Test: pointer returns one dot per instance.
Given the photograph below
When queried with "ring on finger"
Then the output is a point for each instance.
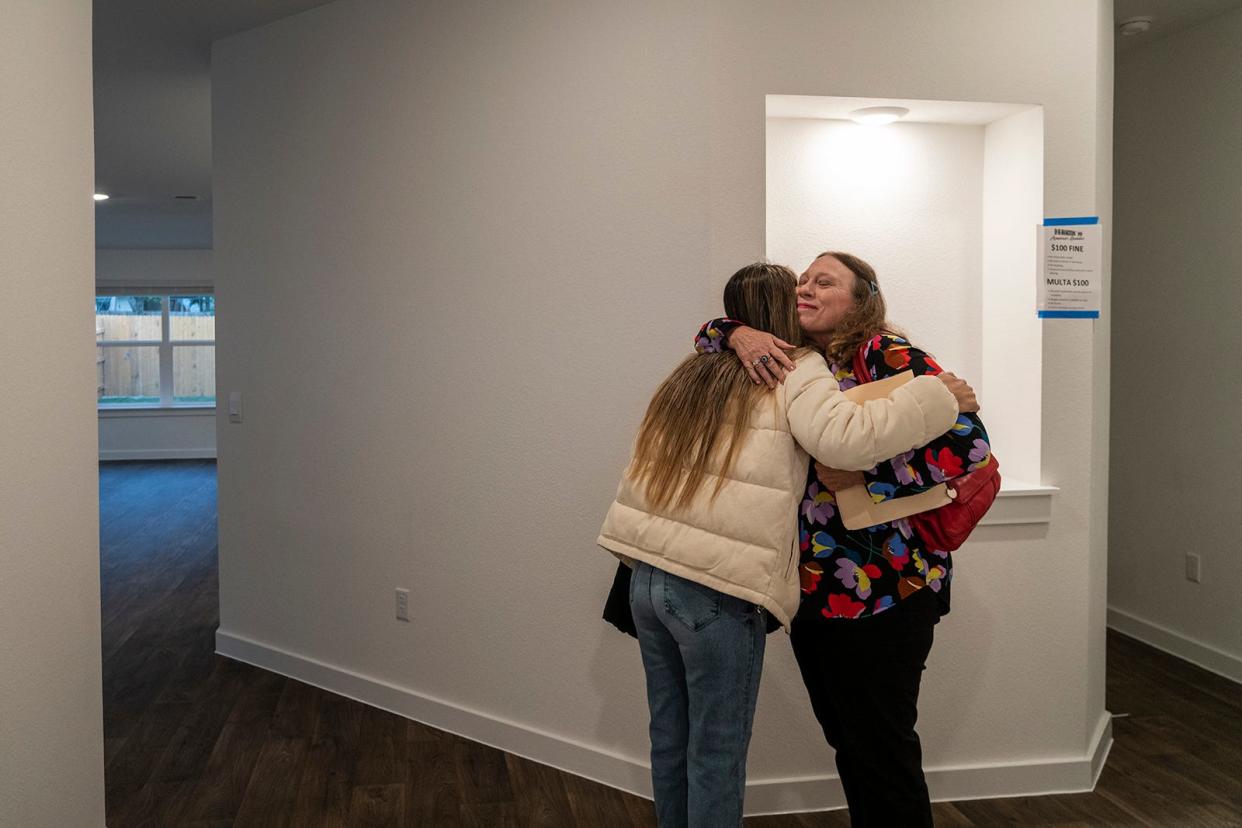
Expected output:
(765, 359)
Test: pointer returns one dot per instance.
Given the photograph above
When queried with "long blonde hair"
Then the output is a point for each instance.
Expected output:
(705, 404)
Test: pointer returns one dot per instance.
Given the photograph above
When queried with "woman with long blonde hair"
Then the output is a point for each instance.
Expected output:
(706, 514)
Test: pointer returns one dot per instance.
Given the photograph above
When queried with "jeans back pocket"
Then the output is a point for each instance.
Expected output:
(693, 604)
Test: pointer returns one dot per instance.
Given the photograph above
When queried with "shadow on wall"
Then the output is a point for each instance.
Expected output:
(974, 566)
(617, 679)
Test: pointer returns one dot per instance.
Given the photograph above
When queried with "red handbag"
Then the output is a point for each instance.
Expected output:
(948, 527)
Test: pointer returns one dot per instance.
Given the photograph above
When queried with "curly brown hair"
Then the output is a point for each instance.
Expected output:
(868, 317)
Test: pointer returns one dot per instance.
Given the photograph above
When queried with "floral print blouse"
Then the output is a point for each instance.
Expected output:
(855, 574)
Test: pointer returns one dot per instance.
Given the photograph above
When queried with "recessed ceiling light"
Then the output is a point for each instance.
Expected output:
(1134, 25)
(876, 115)
(102, 196)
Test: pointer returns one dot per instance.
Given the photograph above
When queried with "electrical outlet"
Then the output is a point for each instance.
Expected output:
(1192, 567)
(403, 605)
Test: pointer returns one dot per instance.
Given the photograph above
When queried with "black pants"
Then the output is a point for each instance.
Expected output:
(863, 678)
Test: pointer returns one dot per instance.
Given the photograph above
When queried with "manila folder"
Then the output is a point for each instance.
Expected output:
(858, 510)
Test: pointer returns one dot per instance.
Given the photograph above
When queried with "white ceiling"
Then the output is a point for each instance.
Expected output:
(153, 104)
(153, 113)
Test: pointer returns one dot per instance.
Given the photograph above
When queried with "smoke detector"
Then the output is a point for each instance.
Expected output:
(1134, 25)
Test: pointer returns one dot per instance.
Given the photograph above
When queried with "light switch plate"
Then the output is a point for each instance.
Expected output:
(1192, 567)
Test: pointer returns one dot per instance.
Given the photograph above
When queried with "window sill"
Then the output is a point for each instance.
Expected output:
(1020, 503)
(112, 411)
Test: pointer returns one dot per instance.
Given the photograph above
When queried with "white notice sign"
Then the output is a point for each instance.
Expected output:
(1069, 268)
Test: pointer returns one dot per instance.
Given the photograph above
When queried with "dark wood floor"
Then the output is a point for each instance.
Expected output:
(193, 739)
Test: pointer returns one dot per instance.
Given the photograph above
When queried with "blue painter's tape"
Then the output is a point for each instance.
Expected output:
(1067, 314)
(1061, 222)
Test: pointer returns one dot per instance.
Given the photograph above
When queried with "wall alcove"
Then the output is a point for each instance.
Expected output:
(943, 203)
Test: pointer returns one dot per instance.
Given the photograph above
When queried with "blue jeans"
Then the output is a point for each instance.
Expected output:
(703, 654)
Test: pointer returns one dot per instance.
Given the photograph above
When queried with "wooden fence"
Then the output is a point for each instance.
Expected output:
(134, 371)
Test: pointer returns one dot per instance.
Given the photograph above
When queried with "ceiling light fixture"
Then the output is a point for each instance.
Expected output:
(1134, 25)
(102, 196)
(878, 115)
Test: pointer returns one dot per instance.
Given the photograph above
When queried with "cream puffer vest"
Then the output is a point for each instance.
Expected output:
(744, 542)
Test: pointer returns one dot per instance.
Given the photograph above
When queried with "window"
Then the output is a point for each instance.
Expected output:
(156, 350)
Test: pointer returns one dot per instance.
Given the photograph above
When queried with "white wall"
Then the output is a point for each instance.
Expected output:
(150, 435)
(51, 719)
(506, 222)
(157, 435)
(908, 198)
(1175, 440)
(153, 268)
(1013, 183)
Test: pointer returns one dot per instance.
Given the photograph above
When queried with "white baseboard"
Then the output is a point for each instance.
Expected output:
(1174, 643)
(158, 454)
(948, 784)
(765, 796)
